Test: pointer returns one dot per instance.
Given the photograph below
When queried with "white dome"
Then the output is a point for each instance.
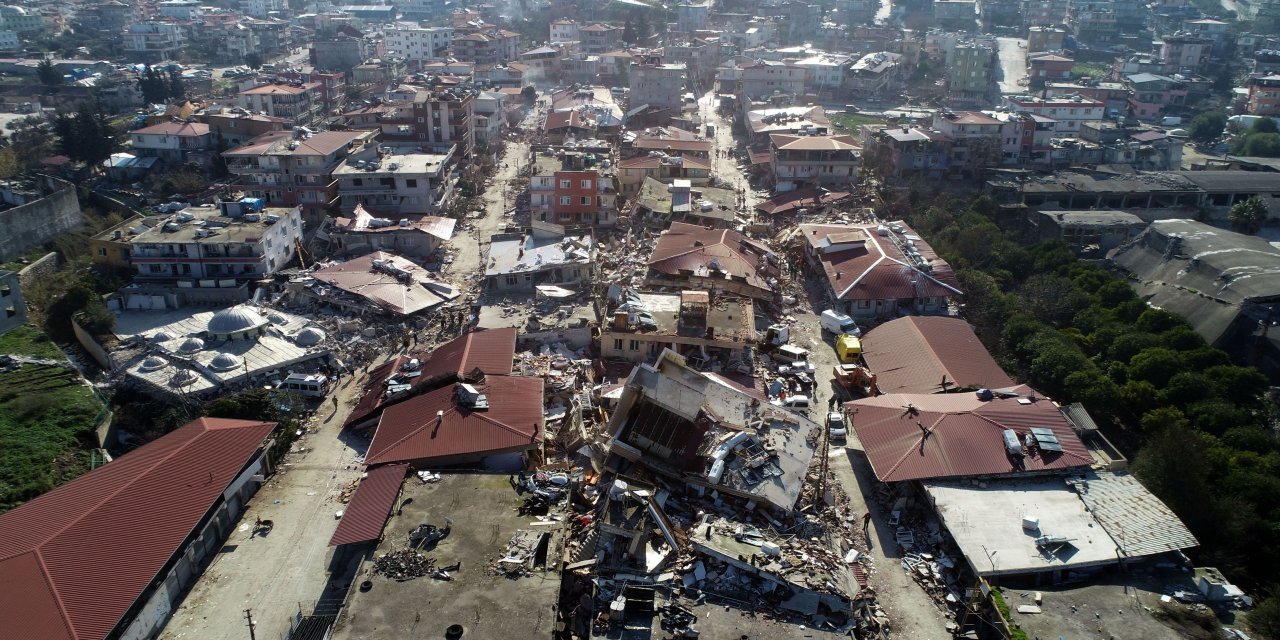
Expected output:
(276, 318)
(182, 378)
(152, 363)
(161, 336)
(191, 345)
(235, 320)
(310, 336)
(224, 361)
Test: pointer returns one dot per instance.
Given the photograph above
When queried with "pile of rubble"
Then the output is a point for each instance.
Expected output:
(402, 565)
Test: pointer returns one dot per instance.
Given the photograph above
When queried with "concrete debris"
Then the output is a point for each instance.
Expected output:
(403, 565)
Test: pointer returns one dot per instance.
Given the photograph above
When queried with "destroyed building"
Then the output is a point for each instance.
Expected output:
(544, 255)
(699, 430)
(379, 283)
(692, 257)
(415, 236)
(718, 332)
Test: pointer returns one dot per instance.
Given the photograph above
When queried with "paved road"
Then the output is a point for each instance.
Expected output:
(723, 163)
(1013, 64)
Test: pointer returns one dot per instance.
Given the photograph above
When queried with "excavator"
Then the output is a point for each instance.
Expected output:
(855, 379)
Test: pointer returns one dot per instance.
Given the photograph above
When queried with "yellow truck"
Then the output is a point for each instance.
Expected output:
(848, 348)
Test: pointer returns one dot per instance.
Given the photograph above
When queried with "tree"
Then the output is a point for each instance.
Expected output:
(9, 165)
(49, 76)
(153, 86)
(253, 60)
(529, 94)
(177, 88)
(643, 30)
(1207, 126)
(1258, 145)
(1248, 216)
(628, 31)
(1264, 125)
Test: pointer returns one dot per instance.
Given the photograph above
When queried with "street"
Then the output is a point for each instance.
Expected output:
(1013, 66)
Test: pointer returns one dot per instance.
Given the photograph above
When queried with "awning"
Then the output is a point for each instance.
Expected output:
(552, 291)
(370, 505)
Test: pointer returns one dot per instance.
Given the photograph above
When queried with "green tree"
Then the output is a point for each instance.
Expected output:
(529, 94)
(1259, 145)
(153, 86)
(253, 60)
(643, 30)
(9, 165)
(628, 31)
(1207, 126)
(48, 74)
(1248, 216)
(177, 88)
(1265, 125)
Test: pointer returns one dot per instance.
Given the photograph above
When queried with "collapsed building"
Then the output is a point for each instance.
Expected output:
(379, 282)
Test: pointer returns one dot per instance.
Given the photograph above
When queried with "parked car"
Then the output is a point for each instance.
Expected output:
(836, 429)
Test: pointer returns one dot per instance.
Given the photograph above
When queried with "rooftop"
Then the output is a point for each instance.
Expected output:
(147, 502)
(917, 353)
(785, 142)
(366, 514)
(730, 318)
(896, 265)
(686, 249)
(180, 129)
(361, 221)
(398, 162)
(933, 436)
(511, 253)
(387, 281)
(207, 225)
(482, 510)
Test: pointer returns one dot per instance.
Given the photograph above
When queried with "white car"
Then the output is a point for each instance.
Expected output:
(836, 428)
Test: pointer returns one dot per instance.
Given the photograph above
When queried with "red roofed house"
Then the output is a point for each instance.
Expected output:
(691, 257)
(467, 358)
(173, 142)
(954, 435)
(462, 424)
(880, 271)
(111, 553)
(916, 354)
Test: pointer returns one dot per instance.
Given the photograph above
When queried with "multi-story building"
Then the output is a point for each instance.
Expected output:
(262, 9)
(298, 104)
(994, 15)
(1068, 113)
(632, 172)
(763, 79)
(874, 74)
(977, 139)
(236, 126)
(9, 42)
(24, 21)
(1152, 95)
(418, 44)
(956, 15)
(172, 142)
(686, 322)
(1183, 52)
(1264, 96)
(203, 247)
(154, 41)
(797, 161)
(179, 9)
(396, 181)
(657, 85)
(496, 46)
(1044, 12)
(1042, 38)
(600, 38)
(1043, 68)
(288, 169)
(338, 53)
(570, 191)
(1092, 22)
(444, 118)
(564, 31)
(969, 71)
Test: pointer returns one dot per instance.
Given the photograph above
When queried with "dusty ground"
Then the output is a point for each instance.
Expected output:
(1013, 65)
(276, 574)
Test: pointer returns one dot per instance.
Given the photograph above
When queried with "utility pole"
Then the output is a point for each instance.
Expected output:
(248, 615)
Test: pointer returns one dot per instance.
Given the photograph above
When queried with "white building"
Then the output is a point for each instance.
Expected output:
(179, 9)
(764, 79)
(564, 31)
(1069, 113)
(9, 40)
(171, 141)
(411, 42)
(154, 40)
(262, 8)
(216, 247)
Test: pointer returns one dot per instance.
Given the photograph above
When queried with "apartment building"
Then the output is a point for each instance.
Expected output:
(172, 142)
(418, 44)
(797, 161)
(299, 104)
(970, 67)
(571, 190)
(497, 46)
(1068, 113)
(1264, 96)
(154, 40)
(599, 38)
(392, 181)
(762, 79)
(564, 31)
(215, 246)
(657, 85)
(288, 169)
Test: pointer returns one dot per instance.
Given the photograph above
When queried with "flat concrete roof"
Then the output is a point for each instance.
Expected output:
(986, 523)
(486, 603)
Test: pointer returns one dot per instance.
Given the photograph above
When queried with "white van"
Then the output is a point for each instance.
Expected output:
(787, 354)
(839, 323)
(797, 404)
(311, 385)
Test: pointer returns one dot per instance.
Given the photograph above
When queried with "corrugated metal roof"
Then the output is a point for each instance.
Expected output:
(912, 354)
(490, 350)
(1138, 522)
(56, 584)
(366, 513)
(965, 435)
(411, 430)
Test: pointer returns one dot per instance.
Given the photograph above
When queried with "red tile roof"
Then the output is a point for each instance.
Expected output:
(912, 354)
(366, 514)
(814, 143)
(800, 198)
(411, 431)
(180, 129)
(880, 270)
(685, 248)
(965, 435)
(56, 583)
(490, 350)
(673, 144)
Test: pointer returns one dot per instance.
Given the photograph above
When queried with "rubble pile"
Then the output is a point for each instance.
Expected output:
(402, 565)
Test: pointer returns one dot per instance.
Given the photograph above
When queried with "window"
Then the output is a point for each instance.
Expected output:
(102, 251)
(511, 280)
(421, 119)
(156, 268)
(357, 181)
(635, 345)
(566, 184)
(411, 183)
(586, 184)
(586, 201)
(566, 200)
(864, 304)
(617, 344)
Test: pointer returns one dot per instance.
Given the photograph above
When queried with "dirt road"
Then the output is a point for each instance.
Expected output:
(276, 574)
